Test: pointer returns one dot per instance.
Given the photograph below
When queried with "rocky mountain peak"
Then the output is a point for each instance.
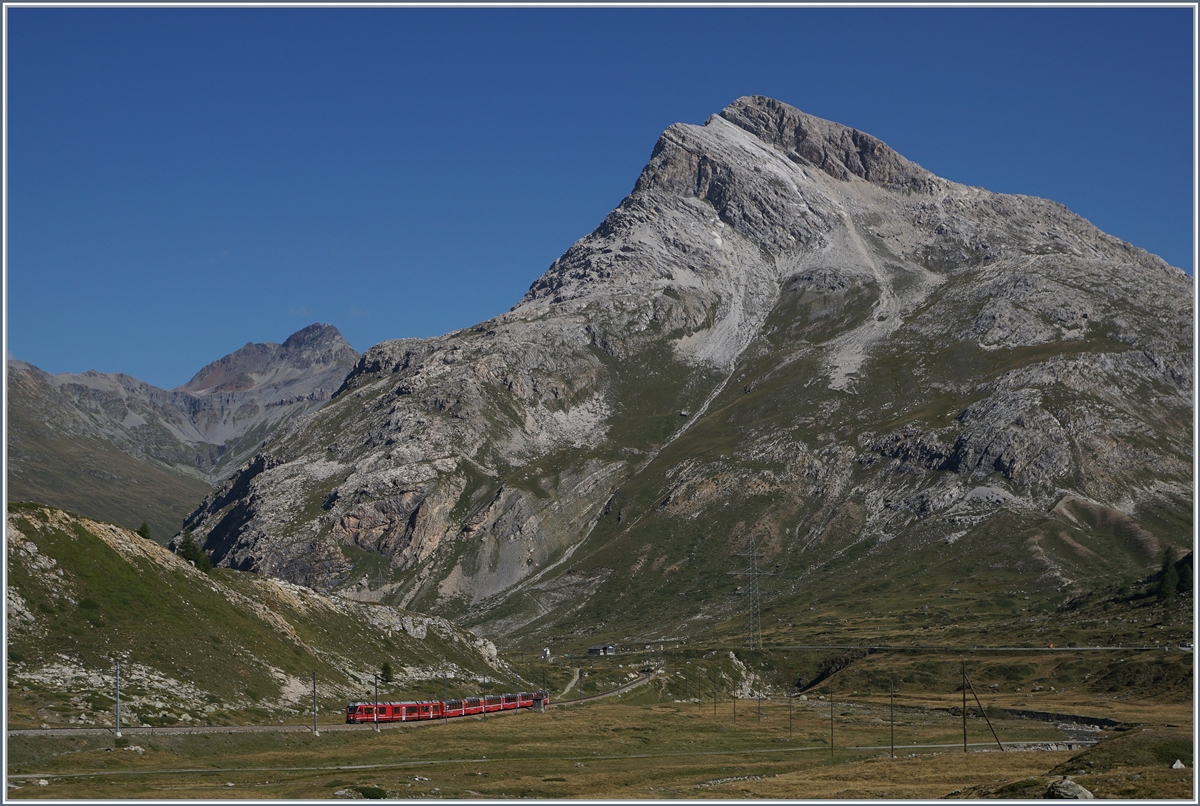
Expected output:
(316, 337)
(787, 332)
(315, 346)
(838, 150)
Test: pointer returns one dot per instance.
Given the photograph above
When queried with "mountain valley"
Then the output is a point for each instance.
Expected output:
(797, 411)
(112, 447)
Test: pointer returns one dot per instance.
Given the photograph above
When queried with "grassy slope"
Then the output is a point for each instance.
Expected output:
(222, 647)
(92, 477)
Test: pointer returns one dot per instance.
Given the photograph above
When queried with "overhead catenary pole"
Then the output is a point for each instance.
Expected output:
(892, 718)
(831, 718)
(315, 731)
(791, 703)
(375, 710)
(964, 705)
(118, 699)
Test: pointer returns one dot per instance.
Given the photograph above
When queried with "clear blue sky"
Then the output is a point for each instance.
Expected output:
(184, 180)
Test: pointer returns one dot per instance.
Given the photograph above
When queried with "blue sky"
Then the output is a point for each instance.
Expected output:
(184, 180)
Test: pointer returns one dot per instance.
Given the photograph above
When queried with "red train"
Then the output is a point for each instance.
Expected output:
(436, 709)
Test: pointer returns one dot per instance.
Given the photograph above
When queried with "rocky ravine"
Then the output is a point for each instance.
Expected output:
(786, 332)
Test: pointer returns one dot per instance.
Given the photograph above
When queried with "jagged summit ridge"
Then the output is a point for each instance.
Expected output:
(838, 150)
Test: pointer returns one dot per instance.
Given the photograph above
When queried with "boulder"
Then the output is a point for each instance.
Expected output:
(1066, 789)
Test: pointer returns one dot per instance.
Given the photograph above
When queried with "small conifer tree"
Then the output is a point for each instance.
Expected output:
(144, 530)
(385, 672)
(189, 549)
(1168, 583)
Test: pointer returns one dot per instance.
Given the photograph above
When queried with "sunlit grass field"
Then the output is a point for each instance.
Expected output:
(634, 747)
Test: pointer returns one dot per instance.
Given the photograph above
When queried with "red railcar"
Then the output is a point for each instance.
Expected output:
(360, 712)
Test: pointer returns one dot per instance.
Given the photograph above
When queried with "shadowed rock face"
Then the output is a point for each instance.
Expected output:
(786, 333)
(202, 431)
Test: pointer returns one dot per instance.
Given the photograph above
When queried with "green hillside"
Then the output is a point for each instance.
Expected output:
(222, 647)
(81, 473)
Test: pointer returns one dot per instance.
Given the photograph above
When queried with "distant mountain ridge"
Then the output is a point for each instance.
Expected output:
(74, 425)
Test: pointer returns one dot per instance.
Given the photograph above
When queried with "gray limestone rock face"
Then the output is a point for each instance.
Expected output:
(786, 333)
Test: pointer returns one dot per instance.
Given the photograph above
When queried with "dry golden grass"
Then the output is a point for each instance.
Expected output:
(925, 776)
(609, 750)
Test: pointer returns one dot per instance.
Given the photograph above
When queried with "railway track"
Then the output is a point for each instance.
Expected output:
(180, 730)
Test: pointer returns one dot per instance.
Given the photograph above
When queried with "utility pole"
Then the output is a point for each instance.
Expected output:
(982, 710)
(315, 731)
(118, 699)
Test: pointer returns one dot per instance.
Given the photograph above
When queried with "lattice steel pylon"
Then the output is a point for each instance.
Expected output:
(753, 635)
